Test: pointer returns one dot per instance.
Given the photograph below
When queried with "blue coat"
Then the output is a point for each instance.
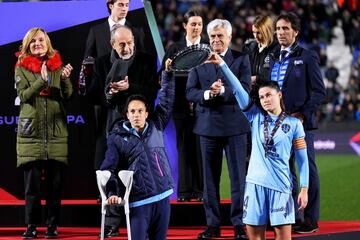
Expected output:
(303, 87)
(144, 154)
(220, 116)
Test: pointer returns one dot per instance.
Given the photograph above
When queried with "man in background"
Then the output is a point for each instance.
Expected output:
(98, 40)
(298, 74)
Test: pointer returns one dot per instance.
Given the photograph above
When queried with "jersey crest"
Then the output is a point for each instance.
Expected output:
(285, 128)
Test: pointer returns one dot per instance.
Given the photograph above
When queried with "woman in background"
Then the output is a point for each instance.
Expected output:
(42, 84)
(259, 50)
(190, 179)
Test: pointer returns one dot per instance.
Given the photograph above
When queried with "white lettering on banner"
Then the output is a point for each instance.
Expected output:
(9, 120)
(13, 120)
(324, 145)
(75, 119)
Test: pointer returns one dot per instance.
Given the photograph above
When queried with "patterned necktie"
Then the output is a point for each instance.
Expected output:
(283, 54)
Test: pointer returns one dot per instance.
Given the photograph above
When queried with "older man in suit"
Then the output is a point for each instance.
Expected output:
(221, 126)
(298, 74)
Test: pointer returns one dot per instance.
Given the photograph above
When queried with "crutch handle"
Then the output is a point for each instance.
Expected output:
(120, 202)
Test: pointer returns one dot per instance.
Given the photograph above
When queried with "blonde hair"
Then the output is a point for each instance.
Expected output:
(29, 36)
(265, 26)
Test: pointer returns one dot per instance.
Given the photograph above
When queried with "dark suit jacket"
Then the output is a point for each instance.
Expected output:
(142, 80)
(98, 40)
(181, 104)
(220, 116)
(303, 87)
(259, 60)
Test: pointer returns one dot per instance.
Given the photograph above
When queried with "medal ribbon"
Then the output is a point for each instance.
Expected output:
(269, 140)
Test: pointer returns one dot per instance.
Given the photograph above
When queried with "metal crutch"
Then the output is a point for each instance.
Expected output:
(102, 177)
(127, 178)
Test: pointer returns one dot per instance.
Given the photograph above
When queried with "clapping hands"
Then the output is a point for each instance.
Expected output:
(167, 64)
(121, 85)
(66, 71)
(215, 88)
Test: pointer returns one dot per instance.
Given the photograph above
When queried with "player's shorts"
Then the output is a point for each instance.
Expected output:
(261, 204)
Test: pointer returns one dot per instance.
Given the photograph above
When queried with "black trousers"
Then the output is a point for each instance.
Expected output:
(190, 179)
(113, 216)
(113, 212)
(212, 155)
(39, 176)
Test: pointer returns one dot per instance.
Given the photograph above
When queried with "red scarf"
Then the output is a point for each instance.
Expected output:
(33, 64)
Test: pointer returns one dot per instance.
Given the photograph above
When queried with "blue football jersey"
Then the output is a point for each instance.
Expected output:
(272, 170)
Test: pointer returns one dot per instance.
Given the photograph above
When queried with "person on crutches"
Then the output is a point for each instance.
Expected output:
(137, 144)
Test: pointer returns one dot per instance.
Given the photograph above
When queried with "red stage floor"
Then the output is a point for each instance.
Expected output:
(326, 229)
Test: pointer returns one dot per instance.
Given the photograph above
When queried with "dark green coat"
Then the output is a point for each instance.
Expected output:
(42, 127)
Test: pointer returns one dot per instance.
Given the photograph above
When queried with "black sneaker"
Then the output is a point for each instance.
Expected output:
(209, 233)
(197, 197)
(296, 225)
(307, 227)
(110, 232)
(183, 199)
(30, 232)
(239, 232)
(51, 232)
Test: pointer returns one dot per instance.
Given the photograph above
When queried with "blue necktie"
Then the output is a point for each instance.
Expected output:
(283, 54)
